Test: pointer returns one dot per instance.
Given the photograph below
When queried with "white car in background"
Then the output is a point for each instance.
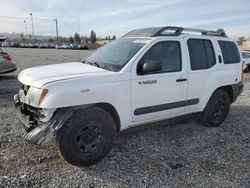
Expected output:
(246, 60)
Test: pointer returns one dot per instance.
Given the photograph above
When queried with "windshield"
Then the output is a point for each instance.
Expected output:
(115, 55)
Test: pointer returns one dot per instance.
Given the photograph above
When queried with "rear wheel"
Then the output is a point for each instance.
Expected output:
(216, 110)
(87, 137)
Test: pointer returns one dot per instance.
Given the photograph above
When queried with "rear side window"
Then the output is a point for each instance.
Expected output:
(201, 54)
(230, 52)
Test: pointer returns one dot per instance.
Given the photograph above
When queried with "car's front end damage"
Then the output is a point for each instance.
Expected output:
(40, 104)
(40, 123)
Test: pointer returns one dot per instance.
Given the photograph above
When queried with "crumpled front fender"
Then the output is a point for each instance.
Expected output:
(45, 131)
(40, 133)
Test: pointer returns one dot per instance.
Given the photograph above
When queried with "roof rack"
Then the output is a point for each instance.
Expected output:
(170, 31)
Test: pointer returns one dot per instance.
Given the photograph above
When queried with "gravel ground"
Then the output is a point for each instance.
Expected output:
(174, 153)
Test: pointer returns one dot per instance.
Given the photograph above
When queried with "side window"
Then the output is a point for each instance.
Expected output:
(201, 54)
(168, 53)
(230, 52)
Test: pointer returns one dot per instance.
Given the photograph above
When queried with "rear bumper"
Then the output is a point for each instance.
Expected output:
(39, 133)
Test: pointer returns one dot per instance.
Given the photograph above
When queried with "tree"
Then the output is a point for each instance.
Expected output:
(51, 40)
(114, 37)
(71, 40)
(106, 38)
(221, 31)
(92, 37)
(241, 40)
(77, 38)
(84, 39)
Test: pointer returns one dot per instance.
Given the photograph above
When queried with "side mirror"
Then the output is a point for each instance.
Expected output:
(150, 67)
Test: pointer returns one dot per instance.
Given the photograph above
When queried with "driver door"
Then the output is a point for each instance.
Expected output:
(160, 94)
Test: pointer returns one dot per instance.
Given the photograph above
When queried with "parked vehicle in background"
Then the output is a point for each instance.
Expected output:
(30, 45)
(82, 47)
(246, 60)
(62, 46)
(5, 44)
(6, 63)
(73, 46)
(156, 73)
(23, 45)
(14, 45)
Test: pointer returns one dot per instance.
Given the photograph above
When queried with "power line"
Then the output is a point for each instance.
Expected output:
(13, 17)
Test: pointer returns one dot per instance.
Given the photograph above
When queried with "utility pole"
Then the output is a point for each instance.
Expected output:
(32, 24)
(25, 27)
(56, 31)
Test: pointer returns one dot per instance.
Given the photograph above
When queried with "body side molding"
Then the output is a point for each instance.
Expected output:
(167, 106)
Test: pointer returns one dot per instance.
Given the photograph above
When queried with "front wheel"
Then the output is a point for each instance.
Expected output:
(87, 137)
(216, 110)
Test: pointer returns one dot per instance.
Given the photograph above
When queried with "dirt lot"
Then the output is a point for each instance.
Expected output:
(173, 153)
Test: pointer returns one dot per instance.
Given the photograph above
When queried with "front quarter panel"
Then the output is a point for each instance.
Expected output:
(113, 90)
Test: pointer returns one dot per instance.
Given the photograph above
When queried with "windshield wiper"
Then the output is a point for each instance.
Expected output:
(106, 67)
(91, 63)
(95, 64)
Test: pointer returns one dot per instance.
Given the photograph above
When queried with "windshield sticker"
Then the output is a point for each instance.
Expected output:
(141, 41)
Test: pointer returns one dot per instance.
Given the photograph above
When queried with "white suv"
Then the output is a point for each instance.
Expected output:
(148, 75)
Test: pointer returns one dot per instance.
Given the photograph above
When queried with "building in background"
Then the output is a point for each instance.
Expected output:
(245, 45)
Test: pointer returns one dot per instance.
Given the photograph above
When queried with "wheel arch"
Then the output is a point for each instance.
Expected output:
(229, 89)
(112, 111)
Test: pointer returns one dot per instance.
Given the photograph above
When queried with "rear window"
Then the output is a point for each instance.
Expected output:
(230, 52)
(201, 54)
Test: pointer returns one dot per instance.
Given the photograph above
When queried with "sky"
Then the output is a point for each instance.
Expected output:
(116, 17)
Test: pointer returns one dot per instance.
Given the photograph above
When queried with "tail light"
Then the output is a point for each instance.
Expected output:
(7, 57)
(242, 72)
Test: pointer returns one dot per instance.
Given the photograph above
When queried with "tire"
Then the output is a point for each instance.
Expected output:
(216, 110)
(87, 136)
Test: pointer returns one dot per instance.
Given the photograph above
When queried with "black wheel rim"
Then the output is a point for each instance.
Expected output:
(89, 138)
(219, 110)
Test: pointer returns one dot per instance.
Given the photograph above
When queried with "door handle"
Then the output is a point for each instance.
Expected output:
(181, 79)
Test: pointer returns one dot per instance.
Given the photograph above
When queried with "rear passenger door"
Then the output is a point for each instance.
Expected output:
(202, 66)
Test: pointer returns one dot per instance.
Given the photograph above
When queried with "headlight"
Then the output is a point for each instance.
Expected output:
(42, 95)
(35, 96)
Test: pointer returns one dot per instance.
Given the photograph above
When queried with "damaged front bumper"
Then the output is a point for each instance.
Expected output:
(38, 132)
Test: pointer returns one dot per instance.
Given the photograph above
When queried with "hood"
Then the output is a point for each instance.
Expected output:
(39, 76)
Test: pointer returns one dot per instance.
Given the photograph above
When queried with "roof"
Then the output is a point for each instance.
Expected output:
(2, 39)
(170, 31)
